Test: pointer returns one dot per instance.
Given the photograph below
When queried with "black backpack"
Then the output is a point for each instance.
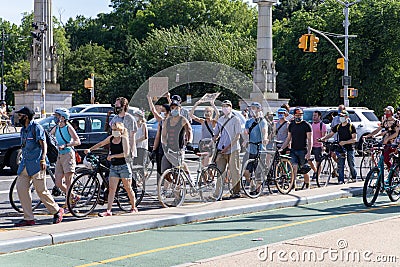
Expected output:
(52, 151)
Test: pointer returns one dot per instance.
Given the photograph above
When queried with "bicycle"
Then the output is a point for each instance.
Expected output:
(370, 156)
(7, 127)
(279, 172)
(171, 187)
(14, 198)
(375, 181)
(91, 192)
(326, 169)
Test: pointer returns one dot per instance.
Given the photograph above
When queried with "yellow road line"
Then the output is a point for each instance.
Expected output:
(233, 235)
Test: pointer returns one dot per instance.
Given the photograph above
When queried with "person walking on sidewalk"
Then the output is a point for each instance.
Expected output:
(119, 169)
(141, 137)
(300, 137)
(318, 131)
(347, 136)
(33, 169)
(66, 138)
(227, 131)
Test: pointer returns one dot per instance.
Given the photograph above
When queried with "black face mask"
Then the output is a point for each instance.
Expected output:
(22, 121)
(117, 110)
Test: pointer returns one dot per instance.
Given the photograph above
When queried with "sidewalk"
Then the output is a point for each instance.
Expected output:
(349, 246)
(37, 236)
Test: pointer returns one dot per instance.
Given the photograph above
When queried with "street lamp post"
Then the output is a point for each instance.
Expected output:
(186, 48)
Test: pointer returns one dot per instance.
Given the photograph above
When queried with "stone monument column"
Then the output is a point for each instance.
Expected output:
(43, 92)
(264, 75)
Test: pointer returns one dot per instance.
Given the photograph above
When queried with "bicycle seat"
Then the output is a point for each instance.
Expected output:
(202, 154)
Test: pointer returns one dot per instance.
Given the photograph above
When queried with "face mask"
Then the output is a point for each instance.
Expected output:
(116, 133)
(22, 121)
(117, 110)
(388, 115)
(226, 110)
(174, 113)
(342, 119)
(298, 119)
(281, 116)
(162, 114)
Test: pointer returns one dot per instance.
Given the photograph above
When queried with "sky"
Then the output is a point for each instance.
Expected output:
(11, 10)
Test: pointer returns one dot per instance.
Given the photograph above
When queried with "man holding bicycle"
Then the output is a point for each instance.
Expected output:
(347, 136)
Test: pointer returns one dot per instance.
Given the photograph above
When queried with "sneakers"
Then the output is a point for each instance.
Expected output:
(58, 217)
(24, 223)
(105, 213)
(75, 200)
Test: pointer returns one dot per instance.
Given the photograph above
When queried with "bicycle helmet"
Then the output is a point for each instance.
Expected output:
(304, 169)
(2, 102)
(63, 112)
(90, 161)
(282, 110)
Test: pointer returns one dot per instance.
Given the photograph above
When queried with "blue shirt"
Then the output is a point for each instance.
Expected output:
(31, 149)
(256, 135)
(60, 140)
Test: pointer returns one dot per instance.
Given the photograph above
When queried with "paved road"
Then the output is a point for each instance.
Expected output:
(192, 242)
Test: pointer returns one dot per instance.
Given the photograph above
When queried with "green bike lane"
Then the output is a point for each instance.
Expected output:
(190, 242)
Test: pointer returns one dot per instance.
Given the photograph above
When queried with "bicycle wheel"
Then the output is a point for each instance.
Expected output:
(253, 184)
(171, 188)
(87, 187)
(14, 198)
(371, 187)
(394, 184)
(324, 172)
(365, 166)
(284, 176)
(138, 187)
(210, 184)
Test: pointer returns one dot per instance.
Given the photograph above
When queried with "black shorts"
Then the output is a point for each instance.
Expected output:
(317, 152)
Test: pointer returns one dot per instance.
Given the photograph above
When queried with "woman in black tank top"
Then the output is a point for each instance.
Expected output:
(119, 169)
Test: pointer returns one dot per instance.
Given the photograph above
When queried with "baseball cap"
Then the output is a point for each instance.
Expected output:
(255, 104)
(298, 111)
(175, 103)
(26, 111)
(390, 108)
(344, 113)
(227, 102)
(177, 98)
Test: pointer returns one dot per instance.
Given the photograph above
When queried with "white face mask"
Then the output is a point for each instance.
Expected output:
(162, 114)
(116, 133)
(226, 110)
(342, 119)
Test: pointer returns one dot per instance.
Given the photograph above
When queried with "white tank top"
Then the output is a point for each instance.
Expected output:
(139, 134)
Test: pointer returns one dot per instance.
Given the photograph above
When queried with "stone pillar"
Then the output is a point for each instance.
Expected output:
(264, 74)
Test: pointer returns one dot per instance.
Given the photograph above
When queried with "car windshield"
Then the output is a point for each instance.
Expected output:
(370, 116)
(75, 109)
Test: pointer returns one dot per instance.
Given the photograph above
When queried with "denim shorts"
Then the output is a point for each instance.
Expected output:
(120, 171)
(298, 156)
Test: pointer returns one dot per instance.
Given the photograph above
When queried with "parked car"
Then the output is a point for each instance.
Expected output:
(364, 120)
(152, 125)
(97, 108)
(90, 131)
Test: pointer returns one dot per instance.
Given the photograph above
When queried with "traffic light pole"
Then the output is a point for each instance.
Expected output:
(2, 63)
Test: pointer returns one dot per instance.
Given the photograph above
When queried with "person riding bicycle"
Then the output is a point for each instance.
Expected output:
(389, 129)
(257, 129)
(300, 137)
(66, 138)
(175, 133)
(347, 136)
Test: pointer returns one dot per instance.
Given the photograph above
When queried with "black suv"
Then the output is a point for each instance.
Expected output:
(91, 130)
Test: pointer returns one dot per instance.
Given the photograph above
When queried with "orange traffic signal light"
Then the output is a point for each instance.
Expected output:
(313, 43)
(303, 42)
(340, 63)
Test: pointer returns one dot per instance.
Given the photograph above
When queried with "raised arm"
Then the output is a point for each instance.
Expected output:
(153, 109)
(215, 110)
(194, 117)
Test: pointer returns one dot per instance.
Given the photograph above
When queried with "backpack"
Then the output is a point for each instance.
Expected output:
(52, 151)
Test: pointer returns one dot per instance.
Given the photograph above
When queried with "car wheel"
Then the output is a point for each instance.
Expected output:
(15, 160)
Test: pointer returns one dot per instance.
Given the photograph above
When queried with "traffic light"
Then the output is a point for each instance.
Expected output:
(340, 63)
(303, 42)
(313, 43)
(89, 84)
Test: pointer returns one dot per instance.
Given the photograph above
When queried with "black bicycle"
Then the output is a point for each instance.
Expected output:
(91, 186)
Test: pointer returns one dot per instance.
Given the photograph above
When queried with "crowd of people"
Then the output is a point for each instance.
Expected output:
(128, 143)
